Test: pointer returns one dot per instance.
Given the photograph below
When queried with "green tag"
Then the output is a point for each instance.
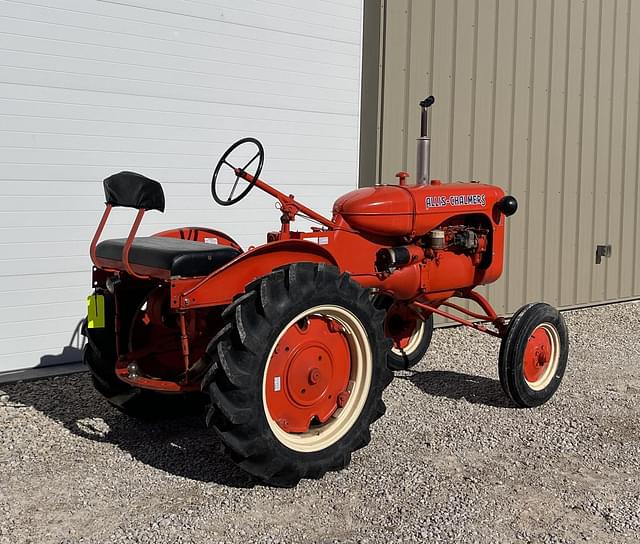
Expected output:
(95, 311)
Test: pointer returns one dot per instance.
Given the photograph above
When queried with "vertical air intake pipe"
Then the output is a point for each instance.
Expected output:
(423, 162)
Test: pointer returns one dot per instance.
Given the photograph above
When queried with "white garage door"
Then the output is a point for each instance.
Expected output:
(162, 87)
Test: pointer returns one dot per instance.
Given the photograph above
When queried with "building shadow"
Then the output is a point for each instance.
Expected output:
(180, 446)
(458, 386)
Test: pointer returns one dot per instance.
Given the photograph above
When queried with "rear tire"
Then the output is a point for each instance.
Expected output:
(533, 355)
(275, 424)
(99, 355)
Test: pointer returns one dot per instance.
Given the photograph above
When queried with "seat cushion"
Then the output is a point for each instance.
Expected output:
(180, 257)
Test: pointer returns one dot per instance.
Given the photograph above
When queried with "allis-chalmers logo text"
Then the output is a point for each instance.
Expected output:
(455, 200)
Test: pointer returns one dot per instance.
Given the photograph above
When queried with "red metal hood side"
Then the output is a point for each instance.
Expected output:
(397, 210)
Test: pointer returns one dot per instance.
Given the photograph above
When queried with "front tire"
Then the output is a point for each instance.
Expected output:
(408, 348)
(533, 355)
(298, 373)
(410, 333)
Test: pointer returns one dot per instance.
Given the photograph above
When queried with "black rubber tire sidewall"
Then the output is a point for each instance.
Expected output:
(99, 354)
(408, 360)
(251, 442)
(512, 350)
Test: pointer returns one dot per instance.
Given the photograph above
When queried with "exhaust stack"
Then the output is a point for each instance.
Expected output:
(423, 162)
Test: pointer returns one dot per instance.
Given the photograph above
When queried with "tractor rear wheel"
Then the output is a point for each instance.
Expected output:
(99, 355)
(297, 373)
(533, 355)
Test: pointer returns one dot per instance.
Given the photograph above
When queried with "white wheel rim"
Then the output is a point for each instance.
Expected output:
(414, 341)
(323, 436)
(554, 359)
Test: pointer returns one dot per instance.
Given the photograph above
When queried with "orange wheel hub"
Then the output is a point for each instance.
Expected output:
(537, 355)
(308, 371)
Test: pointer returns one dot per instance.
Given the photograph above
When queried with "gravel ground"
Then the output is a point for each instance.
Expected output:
(452, 460)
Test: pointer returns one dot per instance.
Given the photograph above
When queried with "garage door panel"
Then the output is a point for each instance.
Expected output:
(153, 148)
(253, 11)
(51, 22)
(220, 79)
(220, 130)
(56, 188)
(48, 356)
(48, 353)
(48, 248)
(100, 105)
(30, 282)
(174, 90)
(163, 25)
(88, 194)
(163, 88)
(62, 203)
(350, 8)
(25, 313)
(87, 220)
(241, 221)
(44, 295)
(209, 146)
(211, 17)
(56, 242)
(92, 173)
(42, 265)
(183, 58)
(349, 13)
(14, 346)
(113, 161)
(58, 330)
(27, 226)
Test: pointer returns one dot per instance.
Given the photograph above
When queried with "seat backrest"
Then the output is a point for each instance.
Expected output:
(133, 191)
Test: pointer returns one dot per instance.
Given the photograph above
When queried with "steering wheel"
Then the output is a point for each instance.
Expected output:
(239, 172)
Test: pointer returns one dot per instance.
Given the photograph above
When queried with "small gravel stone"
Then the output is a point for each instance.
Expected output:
(451, 461)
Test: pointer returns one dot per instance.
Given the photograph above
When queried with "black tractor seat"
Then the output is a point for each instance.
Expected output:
(179, 257)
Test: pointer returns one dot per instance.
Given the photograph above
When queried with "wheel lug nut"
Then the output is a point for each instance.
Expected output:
(283, 424)
(343, 398)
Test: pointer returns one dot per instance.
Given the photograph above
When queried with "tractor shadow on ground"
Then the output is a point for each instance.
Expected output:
(71, 353)
(458, 386)
(181, 446)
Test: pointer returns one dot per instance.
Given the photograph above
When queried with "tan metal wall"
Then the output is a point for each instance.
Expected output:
(538, 96)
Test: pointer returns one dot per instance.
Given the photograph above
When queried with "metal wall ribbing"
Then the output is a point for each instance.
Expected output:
(538, 96)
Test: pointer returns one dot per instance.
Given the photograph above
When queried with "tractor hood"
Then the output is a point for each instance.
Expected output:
(413, 210)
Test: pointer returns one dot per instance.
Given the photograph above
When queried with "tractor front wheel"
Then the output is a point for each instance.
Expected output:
(411, 336)
(410, 333)
(533, 355)
(298, 373)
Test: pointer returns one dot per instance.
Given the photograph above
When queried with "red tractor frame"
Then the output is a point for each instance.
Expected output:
(292, 342)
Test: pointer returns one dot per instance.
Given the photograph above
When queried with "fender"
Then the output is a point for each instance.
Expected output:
(200, 234)
(220, 287)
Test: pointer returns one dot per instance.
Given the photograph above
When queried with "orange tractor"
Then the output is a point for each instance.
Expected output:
(291, 344)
